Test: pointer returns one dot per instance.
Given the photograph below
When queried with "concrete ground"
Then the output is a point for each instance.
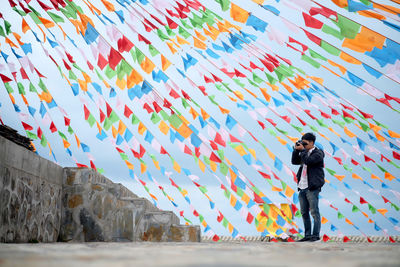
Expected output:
(223, 254)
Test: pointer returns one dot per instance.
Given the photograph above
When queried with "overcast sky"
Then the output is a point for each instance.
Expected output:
(107, 158)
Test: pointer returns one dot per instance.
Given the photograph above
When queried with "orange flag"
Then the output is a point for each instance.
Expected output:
(165, 63)
(110, 7)
(199, 44)
(47, 23)
(134, 78)
(25, 26)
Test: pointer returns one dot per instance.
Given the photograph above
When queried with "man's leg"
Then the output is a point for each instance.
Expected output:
(312, 197)
(305, 212)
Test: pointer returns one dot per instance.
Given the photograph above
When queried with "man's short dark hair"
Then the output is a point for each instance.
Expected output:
(309, 137)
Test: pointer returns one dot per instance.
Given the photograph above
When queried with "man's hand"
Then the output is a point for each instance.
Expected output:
(299, 146)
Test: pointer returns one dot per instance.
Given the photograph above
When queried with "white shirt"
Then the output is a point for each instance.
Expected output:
(303, 184)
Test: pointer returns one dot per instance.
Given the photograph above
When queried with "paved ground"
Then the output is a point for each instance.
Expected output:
(200, 254)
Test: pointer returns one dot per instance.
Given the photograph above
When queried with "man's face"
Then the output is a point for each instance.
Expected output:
(307, 144)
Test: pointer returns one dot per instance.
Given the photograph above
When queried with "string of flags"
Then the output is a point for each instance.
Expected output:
(188, 79)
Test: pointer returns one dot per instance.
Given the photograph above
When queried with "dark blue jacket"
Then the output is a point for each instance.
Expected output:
(315, 167)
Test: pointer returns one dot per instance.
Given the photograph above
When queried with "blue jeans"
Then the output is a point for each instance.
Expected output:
(309, 203)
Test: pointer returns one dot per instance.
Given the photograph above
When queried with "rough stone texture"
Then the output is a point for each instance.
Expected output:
(30, 195)
(42, 202)
(95, 209)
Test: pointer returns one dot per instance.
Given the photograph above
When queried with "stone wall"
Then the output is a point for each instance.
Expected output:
(42, 202)
(30, 195)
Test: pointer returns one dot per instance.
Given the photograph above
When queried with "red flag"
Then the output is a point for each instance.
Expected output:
(366, 158)
(86, 112)
(355, 162)
(185, 95)
(45, 7)
(347, 115)
(141, 38)
(220, 217)
(325, 115)
(119, 150)
(334, 111)
(81, 165)
(127, 112)
(23, 74)
(384, 101)
(385, 199)
(271, 121)
(70, 58)
(114, 58)
(215, 238)
(5, 79)
(39, 133)
(239, 74)
(362, 201)
(312, 37)
(249, 218)
(101, 62)
(148, 108)
(396, 155)
(53, 127)
(109, 109)
(26, 126)
(172, 23)
(173, 94)
(38, 73)
(325, 238)
(261, 124)
(214, 158)
(102, 116)
(67, 121)
(124, 44)
(89, 65)
(92, 165)
(388, 97)
(172, 14)
(369, 240)
(303, 46)
(148, 28)
(157, 107)
(290, 239)
(309, 114)
(151, 24)
(383, 157)
(216, 78)
(391, 239)
(346, 239)
(267, 64)
(312, 22)
(339, 160)
(203, 90)
(286, 118)
(208, 80)
(254, 66)
(218, 139)
(187, 150)
(157, 19)
(142, 151)
(302, 122)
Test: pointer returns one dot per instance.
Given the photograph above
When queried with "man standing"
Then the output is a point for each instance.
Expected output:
(310, 179)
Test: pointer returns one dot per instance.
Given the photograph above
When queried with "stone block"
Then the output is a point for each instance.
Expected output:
(155, 226)
(185, 233)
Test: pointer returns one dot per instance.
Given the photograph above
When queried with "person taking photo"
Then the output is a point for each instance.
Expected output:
(310, 179)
